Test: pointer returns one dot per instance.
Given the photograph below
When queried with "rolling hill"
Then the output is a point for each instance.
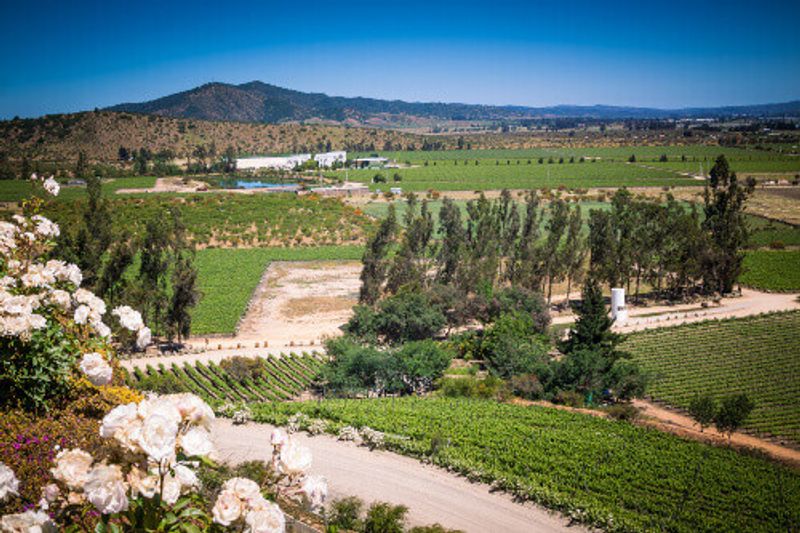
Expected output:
(264, 103)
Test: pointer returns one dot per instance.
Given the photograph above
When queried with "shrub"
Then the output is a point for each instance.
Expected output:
(568, 398)
(777, 245)
(345, 513)
(512, 346)
(383, 517)
(407, 316)
(527, 386)
(243, 368)
(623, 411)
(473, 387)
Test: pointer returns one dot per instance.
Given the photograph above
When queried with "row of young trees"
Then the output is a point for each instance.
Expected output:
(154, 272)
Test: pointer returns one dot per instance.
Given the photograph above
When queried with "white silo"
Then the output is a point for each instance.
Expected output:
(618, 311)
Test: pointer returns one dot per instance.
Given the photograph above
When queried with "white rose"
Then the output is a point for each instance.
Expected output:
(8, 482)
(196, 441)
(46, 227)
(315, 491)
(129, 318)
(81, 314)
(158, 437)
(143, 483)
(106, 490)
(117, 419)
(269, 519)
(227, 509)
(186, 476)
(51, 186)
(278, 438)
(130, 435)
(143, 338)
(72, 467)
(245, 489)
(50, 492)
(96, 368)
(101, 329)
(161, 405)
(60, 298)
(27, 522)
(192, 408)
(294, 458)
(171, 490)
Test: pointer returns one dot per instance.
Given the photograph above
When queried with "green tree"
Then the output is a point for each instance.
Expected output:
(451, 230)
(732, 413)
(373, 273)
(724, 199)
(703, 409)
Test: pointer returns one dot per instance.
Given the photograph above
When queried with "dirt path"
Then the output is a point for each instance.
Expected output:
(679, 424)
(750, 303)
(431, 494)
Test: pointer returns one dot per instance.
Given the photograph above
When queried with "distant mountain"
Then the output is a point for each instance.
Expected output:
(264, 103)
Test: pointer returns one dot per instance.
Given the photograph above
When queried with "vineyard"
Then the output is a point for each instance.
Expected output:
(238, 220)
(759, 356)
(613, 475)
(278, 378)
(772, 270)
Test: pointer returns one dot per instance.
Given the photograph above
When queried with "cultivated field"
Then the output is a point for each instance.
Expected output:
(610, 474)
(281, 378)
(772, 270)
(759, 356)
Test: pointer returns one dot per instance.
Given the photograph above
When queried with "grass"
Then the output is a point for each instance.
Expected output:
(17, 190)
(610, 474)
(772, 270)
(758, 356)
(227, 278)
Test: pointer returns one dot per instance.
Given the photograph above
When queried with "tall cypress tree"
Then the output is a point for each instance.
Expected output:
(373, 274)
(724, 209)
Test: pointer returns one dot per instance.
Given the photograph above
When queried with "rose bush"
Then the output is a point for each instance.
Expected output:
(80, 451)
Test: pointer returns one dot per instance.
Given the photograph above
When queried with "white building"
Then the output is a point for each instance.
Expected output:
(327, 159)
(618, 310)
(278, 163)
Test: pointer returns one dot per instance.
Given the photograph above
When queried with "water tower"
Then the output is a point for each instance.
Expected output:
(618, 310)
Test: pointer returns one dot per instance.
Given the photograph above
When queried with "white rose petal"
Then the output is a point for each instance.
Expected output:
(159, 434)
(96, 368)
(106, 490)
(28, 522)
(245, 489)
(72, 467)
(227, 509)
(270, 519)
(118, 419)
(143, 338)
(9, 484)
(197, 442)
(315, 491)
(294, 458)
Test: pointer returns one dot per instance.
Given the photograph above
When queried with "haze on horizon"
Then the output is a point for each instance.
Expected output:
(65, 57)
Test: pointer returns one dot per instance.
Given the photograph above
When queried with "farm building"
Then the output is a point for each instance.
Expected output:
(371, 162)
(278, 163)
(327, 159)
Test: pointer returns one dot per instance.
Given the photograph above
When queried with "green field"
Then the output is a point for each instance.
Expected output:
(488, 175)
(227, 277)
(16, 190)
(772, 270)
(603, 167)
(759, 356)
(610, 474)
(283, 378)
(239, 220)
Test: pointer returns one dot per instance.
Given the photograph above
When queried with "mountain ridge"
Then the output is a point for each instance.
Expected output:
(261, 102)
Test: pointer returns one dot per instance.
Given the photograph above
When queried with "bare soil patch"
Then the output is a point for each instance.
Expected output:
(301, 302)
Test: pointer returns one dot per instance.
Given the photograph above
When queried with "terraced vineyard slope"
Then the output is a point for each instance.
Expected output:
(283, 378)
(611, 474)
(759, 356)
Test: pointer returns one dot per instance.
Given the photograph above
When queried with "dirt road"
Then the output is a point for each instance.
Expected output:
(430, 493)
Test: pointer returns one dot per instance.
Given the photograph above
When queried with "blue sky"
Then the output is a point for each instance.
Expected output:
(69, 56)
